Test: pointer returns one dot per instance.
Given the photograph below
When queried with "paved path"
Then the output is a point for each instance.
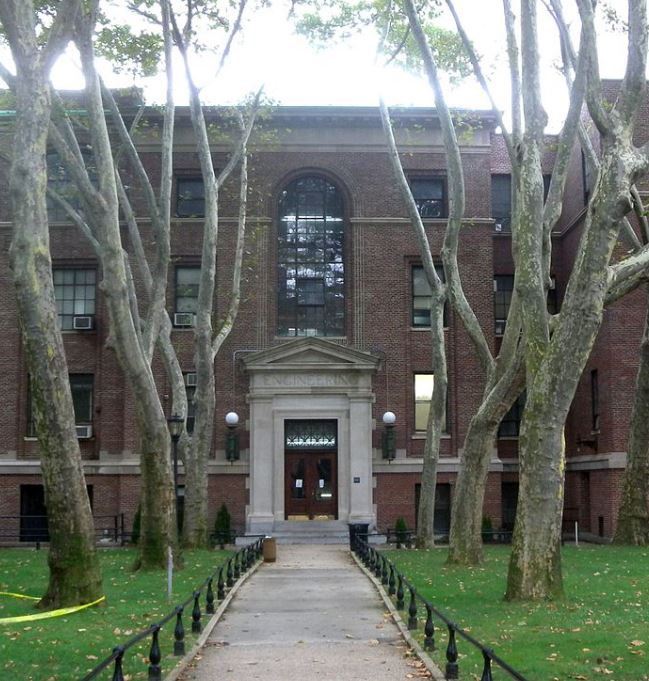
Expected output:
(311, 615)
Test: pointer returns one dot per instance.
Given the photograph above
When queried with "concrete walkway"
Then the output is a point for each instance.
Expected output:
(311, 615)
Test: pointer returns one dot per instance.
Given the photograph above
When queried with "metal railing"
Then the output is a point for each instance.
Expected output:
(33, 529)
(225, 576)
(397, 586)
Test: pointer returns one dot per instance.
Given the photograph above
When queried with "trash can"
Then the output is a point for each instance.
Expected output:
(269, 549)
(357, 529)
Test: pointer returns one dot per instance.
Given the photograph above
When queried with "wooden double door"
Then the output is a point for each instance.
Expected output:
(311, 485)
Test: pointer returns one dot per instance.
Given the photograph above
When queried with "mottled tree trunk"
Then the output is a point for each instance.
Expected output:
(74, 567)
(534, 571)
(158, 525)
(633, 514)
(535, 562)
(465, 539)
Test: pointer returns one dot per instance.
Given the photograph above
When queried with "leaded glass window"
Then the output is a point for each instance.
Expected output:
(306, 434)
(311, 270)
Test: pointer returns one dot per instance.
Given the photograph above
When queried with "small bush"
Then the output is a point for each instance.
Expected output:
(222, 526)
(401, 531)
(487, 528)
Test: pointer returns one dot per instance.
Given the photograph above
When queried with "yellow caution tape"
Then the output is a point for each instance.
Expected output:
(45, 615)
(29, 598)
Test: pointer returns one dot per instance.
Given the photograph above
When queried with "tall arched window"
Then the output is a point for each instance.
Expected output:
(311, 271)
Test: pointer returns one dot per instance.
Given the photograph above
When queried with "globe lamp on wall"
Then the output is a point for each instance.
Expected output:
(389, 437)
(232, 438)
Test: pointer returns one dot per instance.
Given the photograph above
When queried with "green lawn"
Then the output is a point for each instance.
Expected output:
(601, 630)
(68, 647)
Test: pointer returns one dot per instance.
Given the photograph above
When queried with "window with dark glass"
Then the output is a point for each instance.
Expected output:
(187, 281)
(60, 182)
(511, 423)
(75, 291)
(190, 197)
(429, 194)
(501, 200)
(190, 391)
(594, 399)
(421, 293)
(311, 271)
(503, 289)
(81, 387)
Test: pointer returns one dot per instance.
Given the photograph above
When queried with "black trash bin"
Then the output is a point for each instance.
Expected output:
(357, 529)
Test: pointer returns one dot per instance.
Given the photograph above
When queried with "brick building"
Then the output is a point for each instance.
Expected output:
(332, 333)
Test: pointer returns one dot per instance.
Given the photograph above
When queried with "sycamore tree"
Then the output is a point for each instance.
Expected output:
(144, 310)
(73, 563)
(555, 349)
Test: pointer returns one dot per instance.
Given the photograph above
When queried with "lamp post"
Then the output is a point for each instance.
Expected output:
(176, 423)
(388, 439)
(232, 438)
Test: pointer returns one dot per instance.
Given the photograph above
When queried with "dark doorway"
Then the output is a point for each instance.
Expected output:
(33, 514)
(509, 495)
(442, 520)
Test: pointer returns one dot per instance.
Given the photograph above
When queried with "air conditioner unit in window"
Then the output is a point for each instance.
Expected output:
(83, 323)
(498, 227)
(84, 432)
(190, 380)
(500, 326)
(184, 319)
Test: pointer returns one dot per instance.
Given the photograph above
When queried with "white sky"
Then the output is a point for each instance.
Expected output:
(296, 73)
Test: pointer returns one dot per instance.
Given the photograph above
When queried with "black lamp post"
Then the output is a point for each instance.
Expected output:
(232, 438)
(176, 424)
(388, 439)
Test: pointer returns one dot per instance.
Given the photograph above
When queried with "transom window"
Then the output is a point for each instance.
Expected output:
(190, 197)
(429, 194)
(311, 270)
(75, 291)
(307, 434)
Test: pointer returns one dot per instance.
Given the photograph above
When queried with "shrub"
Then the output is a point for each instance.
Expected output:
(222, 526)
(401, 531)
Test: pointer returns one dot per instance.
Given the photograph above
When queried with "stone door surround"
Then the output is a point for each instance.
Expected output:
(310, 378)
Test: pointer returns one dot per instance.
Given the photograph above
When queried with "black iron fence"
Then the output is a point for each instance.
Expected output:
(34, 529)
(223, 578)
(400, 588)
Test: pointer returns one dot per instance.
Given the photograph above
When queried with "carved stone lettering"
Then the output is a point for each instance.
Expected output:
(307, 380)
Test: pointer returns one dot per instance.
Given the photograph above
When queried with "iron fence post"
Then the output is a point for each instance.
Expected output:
(179, 633)
(429, 629)
(118, 672)
(412, 609)
(452, 671)
(196, 614)
(155, 672)
(209, 598)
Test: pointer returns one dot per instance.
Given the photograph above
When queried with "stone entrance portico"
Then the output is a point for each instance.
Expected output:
(315, 379)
